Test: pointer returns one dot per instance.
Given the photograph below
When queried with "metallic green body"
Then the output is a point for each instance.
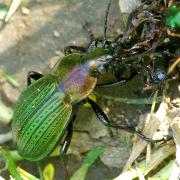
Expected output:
(42, 112)
(40, 118)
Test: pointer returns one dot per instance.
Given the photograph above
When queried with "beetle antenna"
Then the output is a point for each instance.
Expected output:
(106, 20)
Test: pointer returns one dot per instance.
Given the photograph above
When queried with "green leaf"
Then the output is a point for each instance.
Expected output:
(16, 155)
(93, 155)
(172, 17)
(80, 174)
(14, 5)
(48, 172)
(3, 11)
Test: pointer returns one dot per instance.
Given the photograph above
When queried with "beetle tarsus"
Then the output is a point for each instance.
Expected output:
(68, 137)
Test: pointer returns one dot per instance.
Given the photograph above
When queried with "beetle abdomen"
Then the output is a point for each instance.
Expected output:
(29, 101)
(45, 128)
(42, 118)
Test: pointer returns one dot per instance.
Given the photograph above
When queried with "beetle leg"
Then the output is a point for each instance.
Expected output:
(33, 75)
(90, 33)
(104, 119)
(68, 137)
(69, 49)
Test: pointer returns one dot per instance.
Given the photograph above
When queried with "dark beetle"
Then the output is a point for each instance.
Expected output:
(44, 110)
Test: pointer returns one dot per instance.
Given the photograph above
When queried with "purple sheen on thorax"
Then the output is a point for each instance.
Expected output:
(78, 83)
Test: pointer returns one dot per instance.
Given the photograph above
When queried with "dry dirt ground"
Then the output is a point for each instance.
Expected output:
(30, 41)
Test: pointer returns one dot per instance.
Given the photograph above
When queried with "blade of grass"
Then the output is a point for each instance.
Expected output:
(12, 166)
(80, 174)
(3, 11)
(25, 175)
(8, 78)
(13, 7)
(159, 157)
(13, 153)
(165, 172)
(154, 101)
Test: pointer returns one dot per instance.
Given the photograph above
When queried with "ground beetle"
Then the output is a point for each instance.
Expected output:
(44, 111)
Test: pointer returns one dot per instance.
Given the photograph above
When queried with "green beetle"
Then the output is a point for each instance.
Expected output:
(42, 112)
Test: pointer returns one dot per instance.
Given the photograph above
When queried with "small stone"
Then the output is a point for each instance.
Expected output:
(56, 34)
(59, 53)
(127, 6)
(98, 130)
(80, 143)
(25, 11)
(112, 157)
